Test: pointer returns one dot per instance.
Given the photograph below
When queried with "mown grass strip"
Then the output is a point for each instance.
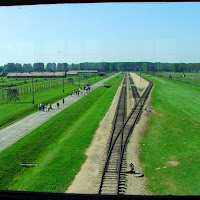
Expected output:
(116, 80)
(170, 147)
(57, 146)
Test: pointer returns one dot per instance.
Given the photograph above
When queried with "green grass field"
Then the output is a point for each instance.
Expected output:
(58, 146)
(191, 78)
(170, 147)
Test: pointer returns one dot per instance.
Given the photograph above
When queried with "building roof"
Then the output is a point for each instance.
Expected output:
(75, 72)
(36, 74)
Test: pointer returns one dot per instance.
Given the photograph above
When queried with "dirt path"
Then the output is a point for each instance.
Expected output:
(87, 180)
(140, 83)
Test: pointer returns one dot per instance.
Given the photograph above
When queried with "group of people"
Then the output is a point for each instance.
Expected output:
(45, 108)
(84, 90)
(48, 107)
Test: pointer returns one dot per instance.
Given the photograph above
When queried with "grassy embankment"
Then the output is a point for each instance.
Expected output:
(57, 146)
(13, 112)
(191, 78)
(170, 147)
(116, 80)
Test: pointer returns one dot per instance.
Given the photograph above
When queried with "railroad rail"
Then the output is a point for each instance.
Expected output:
(113, 179)
(134, 90)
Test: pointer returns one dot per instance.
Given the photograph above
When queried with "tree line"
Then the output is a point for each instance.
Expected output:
(39, 67)
(102, 66)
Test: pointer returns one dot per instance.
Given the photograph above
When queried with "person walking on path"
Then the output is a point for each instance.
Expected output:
(63, 100)
(57, 104)
(49, 107)
(40, 106)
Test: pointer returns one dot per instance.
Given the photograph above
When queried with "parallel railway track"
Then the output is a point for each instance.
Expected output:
(113, 179)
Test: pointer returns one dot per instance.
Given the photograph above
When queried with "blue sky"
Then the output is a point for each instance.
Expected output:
(73, 33)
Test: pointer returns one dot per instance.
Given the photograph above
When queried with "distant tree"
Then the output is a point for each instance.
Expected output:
(106, 66)
(110, 68)
(82, 66)
(51, 67)
(18, 67)
(1, 68)
(145, 67)
(38, 67)
(10, 67)
(175, 67)
(59, 67)
(27, 67)
(65, 67)
(48, 67)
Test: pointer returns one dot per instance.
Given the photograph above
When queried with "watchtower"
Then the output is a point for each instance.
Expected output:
(12, 94)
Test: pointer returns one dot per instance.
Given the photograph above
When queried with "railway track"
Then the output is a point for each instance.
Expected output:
(113, 178)
(134, 90)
